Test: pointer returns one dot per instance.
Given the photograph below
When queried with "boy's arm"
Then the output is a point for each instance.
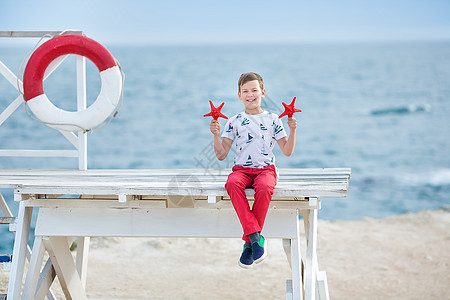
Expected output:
(287, 145)
(221, 147)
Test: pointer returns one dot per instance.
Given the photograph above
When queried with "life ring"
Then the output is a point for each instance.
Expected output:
(46, 111)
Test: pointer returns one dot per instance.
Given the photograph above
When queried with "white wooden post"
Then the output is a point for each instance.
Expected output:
(311, 255)
(82, 258)
(34, 269)
(296, 265)
(81, 105)
(20, 249)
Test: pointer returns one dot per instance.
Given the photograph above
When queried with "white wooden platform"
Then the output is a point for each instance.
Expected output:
(158, 203)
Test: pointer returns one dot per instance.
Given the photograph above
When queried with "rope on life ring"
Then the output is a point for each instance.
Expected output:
(107, 100)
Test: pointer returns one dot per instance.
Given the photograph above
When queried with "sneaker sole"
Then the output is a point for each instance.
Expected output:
(264, 254)
(245, 266)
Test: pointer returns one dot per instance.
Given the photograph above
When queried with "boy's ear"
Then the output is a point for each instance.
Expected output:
(263, 93)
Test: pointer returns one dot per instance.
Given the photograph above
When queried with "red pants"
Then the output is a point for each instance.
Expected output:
(263, 180)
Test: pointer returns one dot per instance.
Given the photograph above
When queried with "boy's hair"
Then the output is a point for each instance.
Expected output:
(250, 76)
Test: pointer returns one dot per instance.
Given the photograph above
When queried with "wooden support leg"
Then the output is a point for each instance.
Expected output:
(65, 268)
(289, 295)
(287, 250)
(311, 255)
(46, 279)
(20, 249)
(34, 269)
(4, 207)
(294, 288)
(296, 264)
(82, 257)
(322, 286)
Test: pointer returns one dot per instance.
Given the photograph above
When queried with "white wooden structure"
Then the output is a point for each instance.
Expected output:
(78, 140)
(156, 203)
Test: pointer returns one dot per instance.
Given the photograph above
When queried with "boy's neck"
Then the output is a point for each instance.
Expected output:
(255, 111)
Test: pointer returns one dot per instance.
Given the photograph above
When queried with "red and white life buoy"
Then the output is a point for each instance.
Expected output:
(46, 111)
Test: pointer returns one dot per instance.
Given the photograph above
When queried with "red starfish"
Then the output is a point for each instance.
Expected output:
(289, 110)
(215, 112)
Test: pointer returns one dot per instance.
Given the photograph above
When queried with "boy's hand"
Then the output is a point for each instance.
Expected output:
(292, 123)
(214, 127)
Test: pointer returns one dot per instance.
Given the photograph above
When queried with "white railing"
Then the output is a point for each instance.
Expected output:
(78, 140)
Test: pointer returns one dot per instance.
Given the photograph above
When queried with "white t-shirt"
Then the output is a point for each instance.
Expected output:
(254, 137)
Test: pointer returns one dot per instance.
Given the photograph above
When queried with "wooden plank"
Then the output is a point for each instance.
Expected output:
(169, 172)
(159, 203)
(102, 189)
(7, 220)
(151, 179)
(64, 265)
(17, 33)
(298, 183)
(157, 223)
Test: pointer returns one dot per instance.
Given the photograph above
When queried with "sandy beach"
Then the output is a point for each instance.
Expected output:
(399, 257)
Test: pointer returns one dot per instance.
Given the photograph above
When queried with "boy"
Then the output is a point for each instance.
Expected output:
(254, 132)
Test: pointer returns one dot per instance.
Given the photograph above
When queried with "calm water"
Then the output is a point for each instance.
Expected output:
(380, 109)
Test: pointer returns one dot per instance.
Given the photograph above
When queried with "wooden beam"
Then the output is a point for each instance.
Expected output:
(168, 222)
(7, 220)
(65, 268)
(35, 33)
(4, 207)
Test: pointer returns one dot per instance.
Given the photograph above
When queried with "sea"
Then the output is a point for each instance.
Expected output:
(381, 109)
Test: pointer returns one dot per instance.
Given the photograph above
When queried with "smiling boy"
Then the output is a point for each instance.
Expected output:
(254, 132)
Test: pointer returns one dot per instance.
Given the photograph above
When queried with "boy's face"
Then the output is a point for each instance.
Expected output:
(251, 96)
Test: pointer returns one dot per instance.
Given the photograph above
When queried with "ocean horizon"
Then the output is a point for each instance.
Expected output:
(380, 109)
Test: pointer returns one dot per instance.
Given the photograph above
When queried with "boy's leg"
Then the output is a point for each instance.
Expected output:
(236, 184)
(264, 183)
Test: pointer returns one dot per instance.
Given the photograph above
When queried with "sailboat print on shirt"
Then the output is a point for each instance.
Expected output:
(230, 128)
(263, 151)
(249, 138)
(249, 161)
(261, 125)
(268, 164)
(245, 122)
(278, 129)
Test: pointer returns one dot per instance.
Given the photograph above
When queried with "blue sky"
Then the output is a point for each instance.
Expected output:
(195, 22)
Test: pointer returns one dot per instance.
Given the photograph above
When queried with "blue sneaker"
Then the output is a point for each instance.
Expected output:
(246, 260)
(259, 250)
